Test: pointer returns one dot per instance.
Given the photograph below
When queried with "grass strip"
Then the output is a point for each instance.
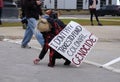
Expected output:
(66, 21)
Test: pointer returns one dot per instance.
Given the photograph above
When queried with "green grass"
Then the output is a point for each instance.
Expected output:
(112, 18)
(11, 24)
(87, 22)
(80, 21)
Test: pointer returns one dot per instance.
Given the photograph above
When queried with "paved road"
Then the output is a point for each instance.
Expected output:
(16, 66)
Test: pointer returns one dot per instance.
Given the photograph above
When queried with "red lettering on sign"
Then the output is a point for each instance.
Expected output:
(84, 50)
(77, 60)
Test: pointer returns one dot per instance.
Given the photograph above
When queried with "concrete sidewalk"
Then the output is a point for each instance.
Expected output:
(102, 32)
(11, 32)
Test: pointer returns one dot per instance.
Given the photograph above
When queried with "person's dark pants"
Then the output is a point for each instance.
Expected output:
(93, 12)
(52, 56)
(0, 15)
(59, 56)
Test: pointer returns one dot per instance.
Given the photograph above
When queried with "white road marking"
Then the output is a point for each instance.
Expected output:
(18, 41)
(99, 65)
(112, 62)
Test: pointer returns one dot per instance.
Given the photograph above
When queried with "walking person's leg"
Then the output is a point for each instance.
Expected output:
(28, 35)
(36, 32)
(32, 24)
(91, 16)
(0, 16)
(96, 16)
(39, 37)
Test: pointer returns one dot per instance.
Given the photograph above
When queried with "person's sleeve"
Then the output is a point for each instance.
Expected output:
(51, 21)
(61, 23)
(30, 4)
(40, 11)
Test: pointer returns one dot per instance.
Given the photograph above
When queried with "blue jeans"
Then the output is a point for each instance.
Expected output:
(31, 29)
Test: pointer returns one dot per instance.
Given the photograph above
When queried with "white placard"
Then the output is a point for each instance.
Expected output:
(74, 42)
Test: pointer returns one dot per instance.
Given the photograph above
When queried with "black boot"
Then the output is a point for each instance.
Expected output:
(50, 65)
(67, 62)
(99, 24)
(92, 24)
(52, 61)
(0, 22)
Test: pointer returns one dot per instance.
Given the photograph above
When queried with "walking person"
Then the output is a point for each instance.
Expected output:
(92, 9)
(32, 12)
(1, 6)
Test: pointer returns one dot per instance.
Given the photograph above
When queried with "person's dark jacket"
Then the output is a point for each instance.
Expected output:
(22, 3)
(32, 10)
(91, 2)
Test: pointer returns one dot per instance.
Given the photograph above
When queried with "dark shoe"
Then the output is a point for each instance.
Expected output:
(51, 65)
(22, 46)
(92, 24)
(67, 62)
(99, 24)
(0, 23)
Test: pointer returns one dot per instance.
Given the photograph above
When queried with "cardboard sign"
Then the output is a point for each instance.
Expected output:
(74, 42)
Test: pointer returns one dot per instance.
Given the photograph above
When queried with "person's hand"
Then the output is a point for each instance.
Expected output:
(36, 61)
(38, 2)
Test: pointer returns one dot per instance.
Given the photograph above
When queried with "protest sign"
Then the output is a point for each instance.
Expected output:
(74, 42)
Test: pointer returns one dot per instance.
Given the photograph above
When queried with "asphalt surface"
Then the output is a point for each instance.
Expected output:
(16, 66)
(102, 64)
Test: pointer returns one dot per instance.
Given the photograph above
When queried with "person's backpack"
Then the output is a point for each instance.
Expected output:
(43, 25)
